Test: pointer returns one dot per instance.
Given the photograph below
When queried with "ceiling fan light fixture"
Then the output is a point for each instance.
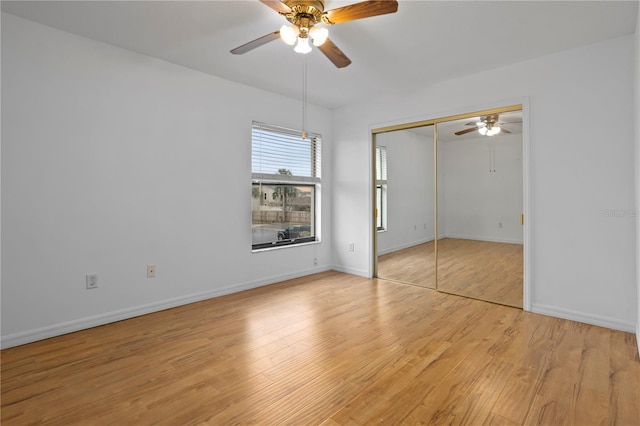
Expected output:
(289, 34)
(483, 130)
(493, 131)
(303, 45)
(305, 14)
(319, 35)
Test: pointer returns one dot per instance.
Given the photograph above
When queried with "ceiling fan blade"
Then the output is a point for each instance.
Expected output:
(503, 130)
(465, 131)
(361, 10)
(256, 43)
(277, 5)
(334, 54)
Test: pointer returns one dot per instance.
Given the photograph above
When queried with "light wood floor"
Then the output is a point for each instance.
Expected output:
(414, 265)
(329, 349)
(480, 269)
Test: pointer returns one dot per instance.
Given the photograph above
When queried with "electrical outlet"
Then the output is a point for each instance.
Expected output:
(151, 271)
(352, 247)
(315, 260)
(92, 281)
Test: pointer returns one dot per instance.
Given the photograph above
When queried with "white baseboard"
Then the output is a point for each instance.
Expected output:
(638, 336)
(599, 320)
(351, 271)
(476, 238)
(119, 315)
(405, 246)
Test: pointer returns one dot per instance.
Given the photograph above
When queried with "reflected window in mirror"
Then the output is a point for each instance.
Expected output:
(381, 188)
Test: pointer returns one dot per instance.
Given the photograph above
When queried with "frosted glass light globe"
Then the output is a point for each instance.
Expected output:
(303, 45)
(319, 35)
(288, 34)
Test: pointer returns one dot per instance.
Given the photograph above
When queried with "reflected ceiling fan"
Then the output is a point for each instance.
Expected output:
(488, 125)
(304, 15)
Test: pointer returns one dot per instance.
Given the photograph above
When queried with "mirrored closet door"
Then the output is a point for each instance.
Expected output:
(480, 199)
(453, 224)
(404, 192)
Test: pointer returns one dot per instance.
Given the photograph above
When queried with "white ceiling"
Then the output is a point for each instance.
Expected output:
(423, 43)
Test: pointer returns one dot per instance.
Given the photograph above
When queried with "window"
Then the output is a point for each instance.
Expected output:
(285, 186)
(381, 188)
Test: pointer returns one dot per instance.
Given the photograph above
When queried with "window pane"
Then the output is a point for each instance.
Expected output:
(381, 163)
(282, 214)
(379, 206)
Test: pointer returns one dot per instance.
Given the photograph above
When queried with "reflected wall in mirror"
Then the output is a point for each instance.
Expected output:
(404, 193)
(480, 202)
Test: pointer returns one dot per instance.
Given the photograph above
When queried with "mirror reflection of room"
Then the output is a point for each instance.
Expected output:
(480, 202)
(405, 206)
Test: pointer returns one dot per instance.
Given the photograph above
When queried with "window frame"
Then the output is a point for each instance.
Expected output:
(311, 179)
(381, 197)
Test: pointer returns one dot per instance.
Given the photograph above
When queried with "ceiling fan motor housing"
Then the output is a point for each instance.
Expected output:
(304, 13)
(490, 120)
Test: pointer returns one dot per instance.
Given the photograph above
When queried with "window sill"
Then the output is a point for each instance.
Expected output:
(284, 246)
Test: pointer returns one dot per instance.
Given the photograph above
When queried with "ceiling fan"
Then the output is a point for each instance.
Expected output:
(488, 125)
(304, 15)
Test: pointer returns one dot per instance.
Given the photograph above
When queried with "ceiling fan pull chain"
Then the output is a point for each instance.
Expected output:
(493, 152)
(494, 156)
(304, 97)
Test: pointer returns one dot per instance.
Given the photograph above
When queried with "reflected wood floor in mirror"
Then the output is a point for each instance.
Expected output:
(481, 269)
(414, 265)
(328, 349)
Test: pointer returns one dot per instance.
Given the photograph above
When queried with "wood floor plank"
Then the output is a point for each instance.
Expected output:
(456, 393)
(517, 395)
(475, 408)
(396, 396)
(623, 380)
(497, 420)
(330, 349)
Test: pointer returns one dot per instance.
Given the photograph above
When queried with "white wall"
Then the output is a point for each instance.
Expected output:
(410, 210)
(112, 161)
(482, 187)
(582, 258)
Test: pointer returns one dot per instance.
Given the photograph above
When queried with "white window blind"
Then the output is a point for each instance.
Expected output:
(381, 164)
(282, 154)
